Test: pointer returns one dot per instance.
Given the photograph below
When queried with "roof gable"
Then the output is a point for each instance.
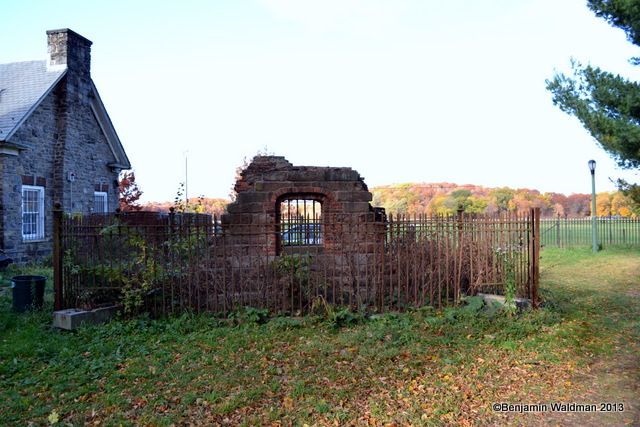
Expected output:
(101, 115)
(23, 85)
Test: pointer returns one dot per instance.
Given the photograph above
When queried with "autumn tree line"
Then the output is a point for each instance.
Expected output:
(206, 205)
(447, 199)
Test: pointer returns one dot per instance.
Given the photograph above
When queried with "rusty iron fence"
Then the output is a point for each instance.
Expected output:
(169, 263)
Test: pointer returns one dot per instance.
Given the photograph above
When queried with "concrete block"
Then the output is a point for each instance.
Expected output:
(72, 318)
(521, 303)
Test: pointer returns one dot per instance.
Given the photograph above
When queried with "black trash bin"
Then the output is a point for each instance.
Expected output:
(28, 292)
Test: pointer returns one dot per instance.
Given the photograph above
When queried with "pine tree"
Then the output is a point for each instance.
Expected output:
(608, 105)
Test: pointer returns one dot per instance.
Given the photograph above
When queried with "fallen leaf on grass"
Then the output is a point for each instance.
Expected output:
(53, 417)
(287, 403)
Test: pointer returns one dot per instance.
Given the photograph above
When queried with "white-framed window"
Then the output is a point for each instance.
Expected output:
(100, 204)
(32, 212)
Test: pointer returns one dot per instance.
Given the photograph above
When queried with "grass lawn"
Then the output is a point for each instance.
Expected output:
(424, 367)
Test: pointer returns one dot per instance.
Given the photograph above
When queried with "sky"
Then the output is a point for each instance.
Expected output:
(402, 91)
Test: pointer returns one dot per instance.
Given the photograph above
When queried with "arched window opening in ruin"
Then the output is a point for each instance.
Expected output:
(300, 220)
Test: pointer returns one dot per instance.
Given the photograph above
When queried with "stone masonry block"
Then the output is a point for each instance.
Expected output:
(270, 186)
(306, 174)
(274, 176)
(353, 196)
(353, 207)
(253, 197)
(253, 207)
(239, 218)
(341, 174)
(334, 186)
(233, 208)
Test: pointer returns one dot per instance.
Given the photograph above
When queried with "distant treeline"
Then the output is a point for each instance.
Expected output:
(198, 205)
(446, 198)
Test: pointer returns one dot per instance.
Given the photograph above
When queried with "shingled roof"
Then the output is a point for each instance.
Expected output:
(23, 85)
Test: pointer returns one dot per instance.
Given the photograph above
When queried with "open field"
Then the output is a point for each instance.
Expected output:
(424, 367)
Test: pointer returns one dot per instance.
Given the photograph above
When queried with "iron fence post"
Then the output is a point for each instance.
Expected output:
(57, 256)
(458, 259)
(534, 253)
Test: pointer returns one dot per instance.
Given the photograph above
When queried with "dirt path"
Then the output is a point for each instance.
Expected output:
(614, 381)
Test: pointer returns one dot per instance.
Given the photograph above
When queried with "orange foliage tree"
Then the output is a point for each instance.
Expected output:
(129, 192)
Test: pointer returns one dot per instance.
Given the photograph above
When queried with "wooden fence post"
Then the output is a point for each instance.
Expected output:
(534, 253)
(57, 256)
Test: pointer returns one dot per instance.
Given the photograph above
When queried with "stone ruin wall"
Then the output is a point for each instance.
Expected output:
(253, 218)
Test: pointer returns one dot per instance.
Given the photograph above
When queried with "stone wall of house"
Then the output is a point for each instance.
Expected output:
(85, 150)
(269, 179)
(62, 136)
(37, 133)
(86, 155)
(2, 193)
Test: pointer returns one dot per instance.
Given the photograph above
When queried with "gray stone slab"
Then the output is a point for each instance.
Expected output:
(72, 318)
(521, 303)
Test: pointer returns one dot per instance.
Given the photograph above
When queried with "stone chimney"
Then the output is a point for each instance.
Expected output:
(70, 49)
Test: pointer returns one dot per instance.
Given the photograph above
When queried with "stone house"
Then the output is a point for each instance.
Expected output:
(57, 144)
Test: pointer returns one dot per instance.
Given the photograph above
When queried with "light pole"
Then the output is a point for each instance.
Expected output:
(186, 179)
(594, 233)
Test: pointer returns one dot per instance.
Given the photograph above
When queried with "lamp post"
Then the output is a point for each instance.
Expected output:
(186, 179)
(594, 233)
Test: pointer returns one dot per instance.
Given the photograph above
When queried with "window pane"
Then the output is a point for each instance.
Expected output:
(100, 202)
(32, 213)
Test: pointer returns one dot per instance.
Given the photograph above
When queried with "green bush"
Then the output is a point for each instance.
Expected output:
(250, 315)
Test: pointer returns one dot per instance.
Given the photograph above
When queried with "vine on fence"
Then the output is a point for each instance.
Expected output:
(510, 286)
(124, 265)
(295, 272)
